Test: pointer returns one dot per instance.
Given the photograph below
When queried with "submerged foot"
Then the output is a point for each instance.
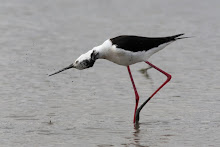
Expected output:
(137, 115)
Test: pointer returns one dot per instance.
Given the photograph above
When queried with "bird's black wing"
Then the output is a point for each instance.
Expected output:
(138, 43)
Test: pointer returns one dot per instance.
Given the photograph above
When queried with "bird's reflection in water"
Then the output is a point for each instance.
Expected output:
(136, 134)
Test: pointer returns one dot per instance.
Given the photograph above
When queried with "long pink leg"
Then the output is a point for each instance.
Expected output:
(135, 91)
(168, 79)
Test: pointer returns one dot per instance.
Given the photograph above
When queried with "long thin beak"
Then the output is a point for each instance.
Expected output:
(68, 67)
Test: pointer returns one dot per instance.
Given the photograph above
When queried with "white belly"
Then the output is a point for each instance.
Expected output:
(125, 58)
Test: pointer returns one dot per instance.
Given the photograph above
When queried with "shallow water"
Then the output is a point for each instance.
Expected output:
(95, 107)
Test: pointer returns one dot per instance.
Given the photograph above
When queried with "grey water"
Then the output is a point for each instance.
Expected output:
(95, 107)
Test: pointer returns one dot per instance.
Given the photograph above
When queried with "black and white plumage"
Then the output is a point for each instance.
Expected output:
(123, 50)
(126, 50)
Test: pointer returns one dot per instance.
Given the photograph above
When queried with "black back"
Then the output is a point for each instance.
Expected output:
(138, 43)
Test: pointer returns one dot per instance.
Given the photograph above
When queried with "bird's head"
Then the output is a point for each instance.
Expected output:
(86, 60)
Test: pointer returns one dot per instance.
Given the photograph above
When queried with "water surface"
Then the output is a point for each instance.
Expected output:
(95, 107)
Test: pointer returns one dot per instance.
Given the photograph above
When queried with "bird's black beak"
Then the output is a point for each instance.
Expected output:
(68, 67)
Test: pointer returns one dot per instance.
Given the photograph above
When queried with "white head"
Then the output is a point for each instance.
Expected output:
(86, 60)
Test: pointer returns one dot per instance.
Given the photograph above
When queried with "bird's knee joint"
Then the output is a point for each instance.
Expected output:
(169, 77)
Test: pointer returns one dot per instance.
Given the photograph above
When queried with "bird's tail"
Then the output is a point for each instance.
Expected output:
(176, 37)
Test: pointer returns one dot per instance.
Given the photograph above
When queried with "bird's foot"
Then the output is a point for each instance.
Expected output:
(137, 115)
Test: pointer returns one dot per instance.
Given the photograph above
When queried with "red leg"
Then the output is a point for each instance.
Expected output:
(165, 73)
(135, 91)
(168, 79)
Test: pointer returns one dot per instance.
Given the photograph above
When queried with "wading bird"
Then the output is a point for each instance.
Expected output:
(126, 50)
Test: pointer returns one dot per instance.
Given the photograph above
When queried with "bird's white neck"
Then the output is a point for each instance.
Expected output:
(103, 49)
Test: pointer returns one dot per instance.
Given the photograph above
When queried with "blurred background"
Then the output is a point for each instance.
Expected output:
(94, 107)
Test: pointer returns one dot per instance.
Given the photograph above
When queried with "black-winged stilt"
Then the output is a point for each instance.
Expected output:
(126, 50)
